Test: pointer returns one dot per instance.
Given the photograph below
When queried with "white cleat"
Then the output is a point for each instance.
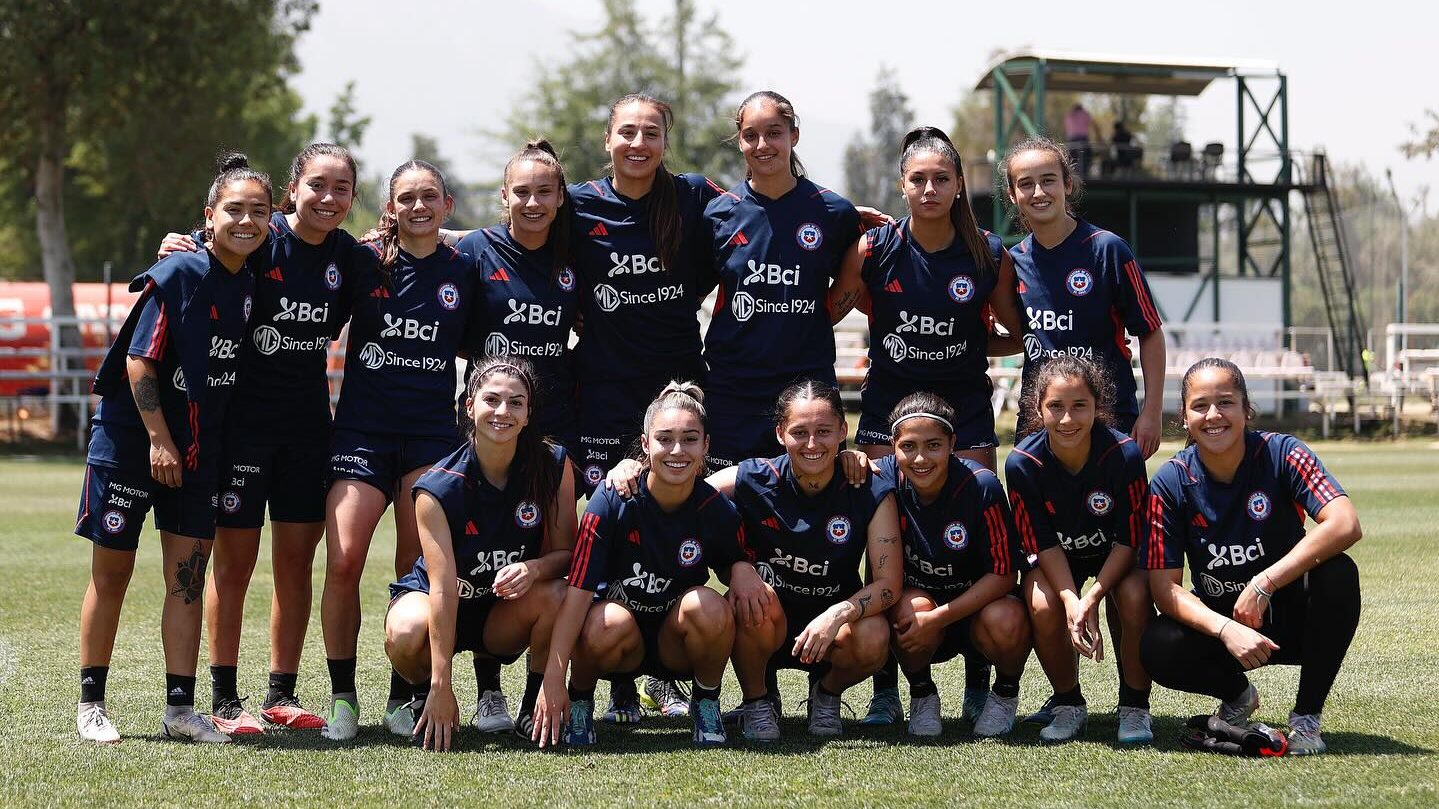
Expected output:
(997, 718)
(193, 726)
(93, 723)
(343, 721)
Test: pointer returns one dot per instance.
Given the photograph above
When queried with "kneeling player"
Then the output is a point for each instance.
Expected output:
(637, 601)
(496, 526)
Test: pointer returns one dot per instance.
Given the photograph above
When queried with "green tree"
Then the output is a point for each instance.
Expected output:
(475, 206)
(1426, 142)
(685, 59)
(871, 158)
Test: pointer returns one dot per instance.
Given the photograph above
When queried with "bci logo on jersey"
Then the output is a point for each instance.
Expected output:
(448, 295)
(838, 530)
(1049, 320)
(1079, 282)
(1081, 542)
(774, 274)
(924, 325)
(1258, 506)
(566, 279)
(410, 329)
(636, 264)
(1099, 503)
(961, 289)
(332, 277)
(302, 312)
(527, 514)
(956, 536)
(222, 349)
(648, 582)
(690, 553)
(230, 502)
(532, 313)
(809, 236)
(113, 521)
(1234, 555)
(493, 561)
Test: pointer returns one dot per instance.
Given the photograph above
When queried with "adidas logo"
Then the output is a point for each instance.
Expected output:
(893, 286)
(599, 230)
(499, 275)
(470, 529)
(1199, 521)
(274, 275)
(380, 292)
(177, 691)
(1022, 288)
(87, 681)
(738, 238)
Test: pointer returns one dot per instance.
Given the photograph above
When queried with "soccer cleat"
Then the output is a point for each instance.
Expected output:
(1068, 723)
(1239, 711)
(1304, 738)
(93, 723)
(193, 726)
(1043, 716)
(580, 731)
(343, 721)
(401, 718)
(492, 714)
(232, 719)
(735, 715)
(924, 716)
(997, 718)
(288, 713)
(709, 727)
(884, 708)
(524, 727)
(974, 699)
(824, 711)
(1134, 726)
(623, 712)
(759, 720)
(665, 697)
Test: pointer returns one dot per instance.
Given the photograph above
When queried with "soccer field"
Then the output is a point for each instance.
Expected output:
(1381, 724)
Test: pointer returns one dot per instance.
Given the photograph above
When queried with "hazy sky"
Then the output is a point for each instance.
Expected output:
(1359, 75)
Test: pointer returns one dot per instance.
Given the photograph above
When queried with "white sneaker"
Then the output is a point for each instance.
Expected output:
(1304, 738)
(343, 721)
(193, 726)
(492, 714)
(924, 716)
(401, 719)
(93, 723)
(997, 718)
(1067, 724)
(1239, 711)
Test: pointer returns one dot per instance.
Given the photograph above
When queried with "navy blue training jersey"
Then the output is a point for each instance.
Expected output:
(775, 259)
(927, 320)
(633, 552)
(806, 546)
(223, 300)
(489, 528)
(523, 308)
(1080, 298)
(1087, 513)
(958, 539)
(640, 316)
(302, 300)
(1232, 531)
(400, 360)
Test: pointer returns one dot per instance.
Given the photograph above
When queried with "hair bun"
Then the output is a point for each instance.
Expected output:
(229, 161)
(685, 388)
(542, 144)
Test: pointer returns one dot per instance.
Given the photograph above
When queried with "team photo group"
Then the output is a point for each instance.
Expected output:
(573, 507)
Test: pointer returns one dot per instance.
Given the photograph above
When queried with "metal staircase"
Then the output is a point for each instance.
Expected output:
(1333, 265)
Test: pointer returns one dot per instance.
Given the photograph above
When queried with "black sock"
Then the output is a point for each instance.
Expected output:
(282, 687)
(976, 673)
(921, 683)
(1132, 697)
(771, 680)
(825, 691)
(1006, 685)
(400, 688)
(588, 693)
(622, 689)
(533, 681)
(179, 690)
(222, 686)
(705, 693)
(92, 683)
(888, 674)
(759, 698)
(419, 692)
(1073, 696)
(342, 675)
(487, 674)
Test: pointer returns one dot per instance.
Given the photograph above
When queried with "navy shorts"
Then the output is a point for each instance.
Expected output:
(114, 502)
(959, 636)
(382, 459)
(290, 476)
(610, 419)
(798, 615)
(740, 428)
(650, 624)
(471, 615)
(973, 410)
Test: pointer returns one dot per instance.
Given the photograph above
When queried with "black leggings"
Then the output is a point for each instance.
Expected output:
(1313, 620)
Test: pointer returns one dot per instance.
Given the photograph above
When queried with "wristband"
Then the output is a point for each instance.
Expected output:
(1222, 627)
(1254, 582)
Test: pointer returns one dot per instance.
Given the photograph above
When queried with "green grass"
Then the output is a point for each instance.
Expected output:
(1382, 722)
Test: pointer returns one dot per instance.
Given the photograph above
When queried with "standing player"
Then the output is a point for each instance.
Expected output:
(778, 240)
(1082, 289)
(960, 554)
(1233, 504)
(1077, 487)
(647, 560)
(396, 415)
(496, 522)
(165, 385)
(277, 435)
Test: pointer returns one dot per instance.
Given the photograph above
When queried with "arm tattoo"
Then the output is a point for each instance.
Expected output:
(147, 394)
(886, 597)
(846, 303)
(881, 561)
(190, 576)
(887, 540)
(864, 604)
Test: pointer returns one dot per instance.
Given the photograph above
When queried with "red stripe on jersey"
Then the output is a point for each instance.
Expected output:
(1136, 512)
(460, 475)
(156, 349)
(744, 547)
(1119, 340)
(820, 192)
(1096, 232)
(1156, 532)
(599, 230)
(1114, 446)
(1308, 469)
(720, 298)
(715, 188)
(868, 247)
(998, 539)
(1023, 524)
(192, 456)
(599, 189)
(1141, 294)
(584, 543)
(1027, 455)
